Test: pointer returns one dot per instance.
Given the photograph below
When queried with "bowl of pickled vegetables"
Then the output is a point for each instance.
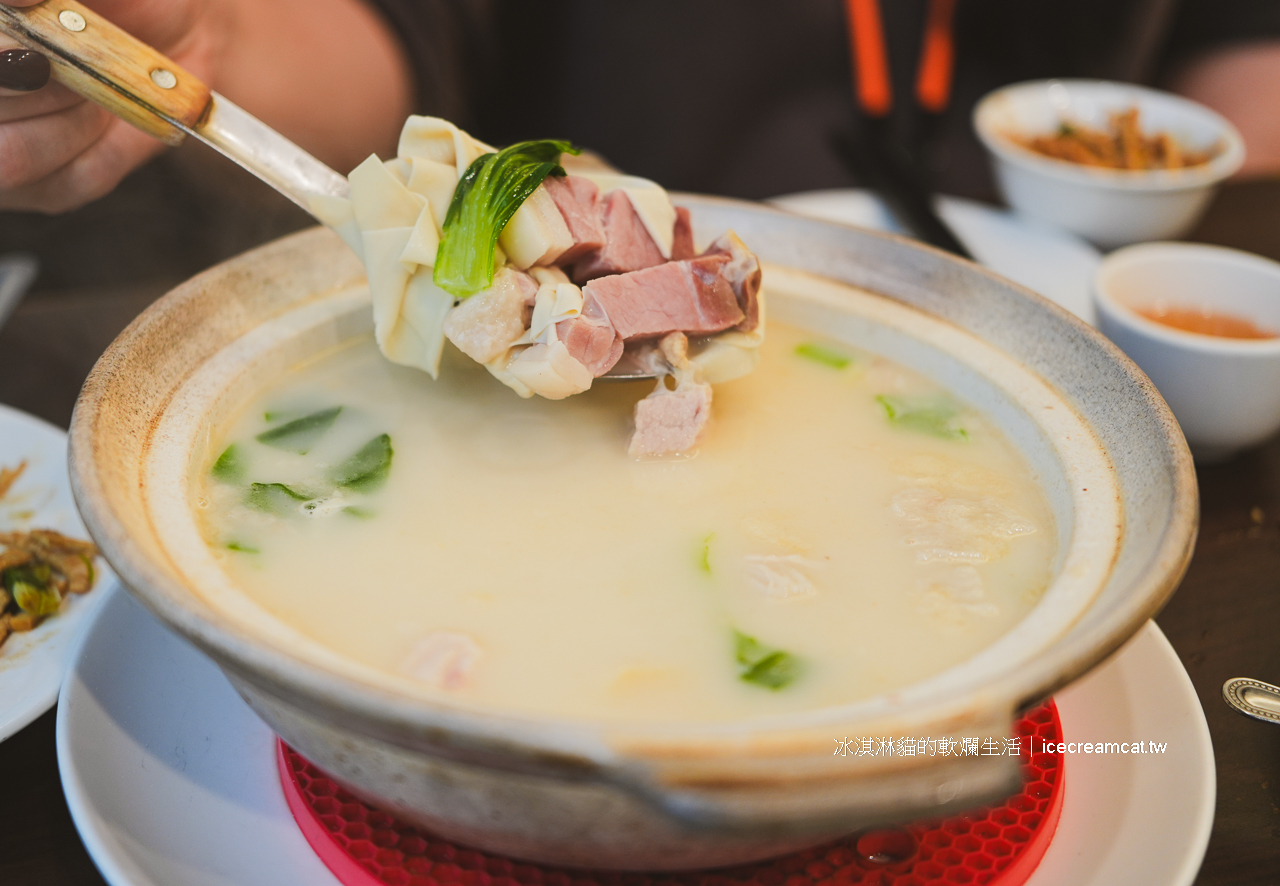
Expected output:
(1113, 162)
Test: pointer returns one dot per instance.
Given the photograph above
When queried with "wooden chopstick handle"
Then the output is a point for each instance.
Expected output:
(96, 59)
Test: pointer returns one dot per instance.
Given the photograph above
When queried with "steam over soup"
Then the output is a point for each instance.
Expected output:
(846, 527)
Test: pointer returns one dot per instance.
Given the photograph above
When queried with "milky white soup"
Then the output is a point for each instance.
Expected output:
(845, 528)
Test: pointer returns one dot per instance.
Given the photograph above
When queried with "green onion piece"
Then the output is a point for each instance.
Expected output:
(704, 556)
(358, 513)
(274, 498)
(230, 466)
(488, 194)
(824, 355)
(301, 434)
(31, 589)
(775, 671)
(937, 415)
(242, 548)
(747, 648)
(770, 668)
(367, 469)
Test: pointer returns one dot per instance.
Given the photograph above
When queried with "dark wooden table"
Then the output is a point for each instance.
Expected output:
(1224, 621)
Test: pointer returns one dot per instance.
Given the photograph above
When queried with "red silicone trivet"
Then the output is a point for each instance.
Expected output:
(999, 846)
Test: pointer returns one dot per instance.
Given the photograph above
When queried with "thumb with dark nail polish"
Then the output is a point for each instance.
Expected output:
(23, 70)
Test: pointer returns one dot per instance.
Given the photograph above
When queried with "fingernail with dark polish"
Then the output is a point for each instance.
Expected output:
(23, 70)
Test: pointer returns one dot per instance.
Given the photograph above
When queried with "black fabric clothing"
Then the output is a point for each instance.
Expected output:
(736, 97)
(741, 97)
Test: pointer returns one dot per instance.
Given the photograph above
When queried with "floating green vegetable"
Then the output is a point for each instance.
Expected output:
(770, 668)
(489, 193)
(824, 355)
(31, 589)
(301, 434)
(704, 556)
(936, 415)
(279, 415)
(230, 466)
(274, 498)
(242, 548)
(367, 469)
(358, 513)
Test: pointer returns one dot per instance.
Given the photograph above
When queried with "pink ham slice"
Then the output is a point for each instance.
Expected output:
(682, 236)
(578, 200)
(596, 346)
(693, 296)
(670, 421)
(743, 273)
(628, 246)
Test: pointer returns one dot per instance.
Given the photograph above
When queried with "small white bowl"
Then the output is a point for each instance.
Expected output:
(1225, 392)
(1111, 207)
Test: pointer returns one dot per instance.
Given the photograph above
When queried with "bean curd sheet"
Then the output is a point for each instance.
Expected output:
(845, 528)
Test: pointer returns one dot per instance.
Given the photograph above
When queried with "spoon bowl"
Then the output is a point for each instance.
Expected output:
(1253, 698)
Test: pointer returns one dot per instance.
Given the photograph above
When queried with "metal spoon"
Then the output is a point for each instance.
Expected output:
(1253, 698)
(104, 64)
(97, 60)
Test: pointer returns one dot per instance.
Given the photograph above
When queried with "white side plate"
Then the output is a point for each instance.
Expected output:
(32, 664)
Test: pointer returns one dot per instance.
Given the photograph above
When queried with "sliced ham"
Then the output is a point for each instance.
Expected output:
(743, 273)
(693, 296)
(578, 200)
(628, 246)
(682, 236)
(670, 421)
(596, 346)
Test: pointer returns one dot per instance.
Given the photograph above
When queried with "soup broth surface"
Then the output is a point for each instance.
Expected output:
(845, 528)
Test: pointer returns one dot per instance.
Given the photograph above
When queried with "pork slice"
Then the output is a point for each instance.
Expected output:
(486, 324)
(596, 346)
(578, 200)
(682, 236)
(743, 273)
(693, 296)
(627, 247)
(670, 421)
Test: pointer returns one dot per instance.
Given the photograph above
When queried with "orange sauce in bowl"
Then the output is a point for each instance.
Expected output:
(1206, 322)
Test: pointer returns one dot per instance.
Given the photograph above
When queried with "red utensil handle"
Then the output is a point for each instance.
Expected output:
(937, 57)
(871, 82)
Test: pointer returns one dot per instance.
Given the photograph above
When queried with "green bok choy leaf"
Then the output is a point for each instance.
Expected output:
(489, 193)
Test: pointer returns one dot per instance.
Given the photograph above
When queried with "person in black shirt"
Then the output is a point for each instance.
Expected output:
(737, 97)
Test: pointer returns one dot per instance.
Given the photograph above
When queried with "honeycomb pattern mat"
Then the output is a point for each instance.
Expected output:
(996, 846)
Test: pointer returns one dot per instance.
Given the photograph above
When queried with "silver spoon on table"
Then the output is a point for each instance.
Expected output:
(107, 66)
(1253, 698)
